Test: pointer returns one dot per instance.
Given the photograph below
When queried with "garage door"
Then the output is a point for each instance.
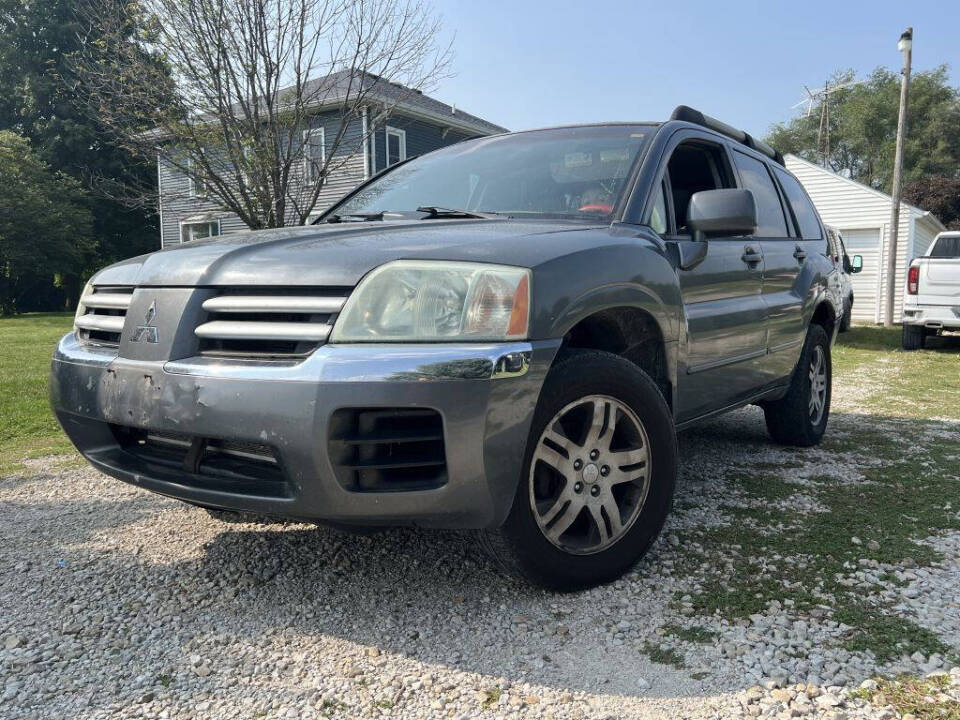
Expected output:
(866, 282)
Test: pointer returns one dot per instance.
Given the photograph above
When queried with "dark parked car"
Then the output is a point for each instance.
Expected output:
(504, 335)
(845, 266)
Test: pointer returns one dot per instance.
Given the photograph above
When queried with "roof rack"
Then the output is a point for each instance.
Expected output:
(688, 114)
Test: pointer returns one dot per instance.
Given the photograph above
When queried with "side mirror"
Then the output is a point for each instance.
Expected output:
(856, 264)
(722, 212)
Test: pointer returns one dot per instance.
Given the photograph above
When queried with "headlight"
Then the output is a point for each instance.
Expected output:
(430, 301)
(81, 309)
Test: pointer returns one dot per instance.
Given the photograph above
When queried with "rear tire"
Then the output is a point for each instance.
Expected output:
(598, 476)
(800, 417)
(914, 337)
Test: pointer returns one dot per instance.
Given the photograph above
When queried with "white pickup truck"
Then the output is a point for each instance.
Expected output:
(932, 301)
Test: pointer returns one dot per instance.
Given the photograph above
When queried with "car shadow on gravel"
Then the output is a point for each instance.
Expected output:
(428, 595)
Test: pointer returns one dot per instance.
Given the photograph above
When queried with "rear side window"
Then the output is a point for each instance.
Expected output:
(755, 177)
(946, 247)
(802, 207)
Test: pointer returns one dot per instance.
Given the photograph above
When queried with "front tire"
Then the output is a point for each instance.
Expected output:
(914, 337)
(598, 476)
(800, 417)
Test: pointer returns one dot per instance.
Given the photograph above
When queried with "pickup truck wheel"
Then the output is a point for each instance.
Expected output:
(800, 417)
(914, 337)
(598, 479)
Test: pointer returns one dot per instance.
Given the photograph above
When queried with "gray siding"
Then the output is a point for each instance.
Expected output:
(176, 204)
(346, 172)
(347, 167)
(422, 137)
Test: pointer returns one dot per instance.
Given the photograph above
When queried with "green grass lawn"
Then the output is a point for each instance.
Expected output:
(920, 384)
(27, 427)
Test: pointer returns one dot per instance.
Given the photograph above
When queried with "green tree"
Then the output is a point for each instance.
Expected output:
(38, 41)
(45, 227)
(863, 128)
(938, 194)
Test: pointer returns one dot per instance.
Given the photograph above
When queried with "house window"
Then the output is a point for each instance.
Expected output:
(198, 188)
(198, 230)
(313, 154)
(396, 145)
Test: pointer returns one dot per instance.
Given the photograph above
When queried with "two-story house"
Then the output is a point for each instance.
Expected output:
(416, 124)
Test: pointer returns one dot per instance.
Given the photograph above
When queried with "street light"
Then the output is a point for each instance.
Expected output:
(905, 46)
(906, 41)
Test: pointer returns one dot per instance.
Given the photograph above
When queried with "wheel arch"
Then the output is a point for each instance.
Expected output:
(632, 332)
(825, 315)
(621, 297)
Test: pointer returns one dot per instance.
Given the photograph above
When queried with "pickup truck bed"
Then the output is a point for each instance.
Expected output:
(932, 300)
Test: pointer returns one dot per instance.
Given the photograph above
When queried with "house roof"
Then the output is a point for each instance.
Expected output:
(331, 89)
(920, 212)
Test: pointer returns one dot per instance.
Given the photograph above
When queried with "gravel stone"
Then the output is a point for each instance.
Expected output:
(119, 603)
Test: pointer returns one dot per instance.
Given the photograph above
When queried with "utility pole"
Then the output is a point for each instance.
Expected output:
(823, 137)
(906, 47)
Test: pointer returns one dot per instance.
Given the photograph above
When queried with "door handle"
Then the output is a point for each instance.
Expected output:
(800, 254)
(751, 255)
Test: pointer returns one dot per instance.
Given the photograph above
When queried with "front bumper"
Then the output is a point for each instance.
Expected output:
(945, 317)
(486, 405)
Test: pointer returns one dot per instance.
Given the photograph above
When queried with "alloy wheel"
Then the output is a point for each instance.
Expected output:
(818, 385)
(590, 474)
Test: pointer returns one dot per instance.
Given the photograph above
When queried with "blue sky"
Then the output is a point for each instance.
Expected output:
(528, 63)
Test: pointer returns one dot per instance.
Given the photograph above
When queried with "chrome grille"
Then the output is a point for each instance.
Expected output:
(268, 323)
(102, 313)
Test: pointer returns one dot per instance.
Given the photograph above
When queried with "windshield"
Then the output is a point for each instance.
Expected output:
(566, 172)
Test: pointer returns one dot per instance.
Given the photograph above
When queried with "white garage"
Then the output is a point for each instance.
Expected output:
(862, 215)
(867, 292)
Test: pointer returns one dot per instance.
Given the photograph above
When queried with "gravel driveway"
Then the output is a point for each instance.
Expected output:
(115, 602)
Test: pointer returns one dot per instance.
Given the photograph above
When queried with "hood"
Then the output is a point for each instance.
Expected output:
(341, 254)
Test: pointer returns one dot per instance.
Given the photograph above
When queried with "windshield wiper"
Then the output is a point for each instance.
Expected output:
(362, 216)
(441, 212)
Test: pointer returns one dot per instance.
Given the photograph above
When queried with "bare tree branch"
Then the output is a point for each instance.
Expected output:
(223, 90)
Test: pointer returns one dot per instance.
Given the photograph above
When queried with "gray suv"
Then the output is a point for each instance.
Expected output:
(502, 335)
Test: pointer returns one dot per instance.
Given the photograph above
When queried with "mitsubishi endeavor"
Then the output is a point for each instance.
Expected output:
(501, 335)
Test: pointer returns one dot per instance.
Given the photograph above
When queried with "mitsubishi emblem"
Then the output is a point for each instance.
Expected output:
(147, 331)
